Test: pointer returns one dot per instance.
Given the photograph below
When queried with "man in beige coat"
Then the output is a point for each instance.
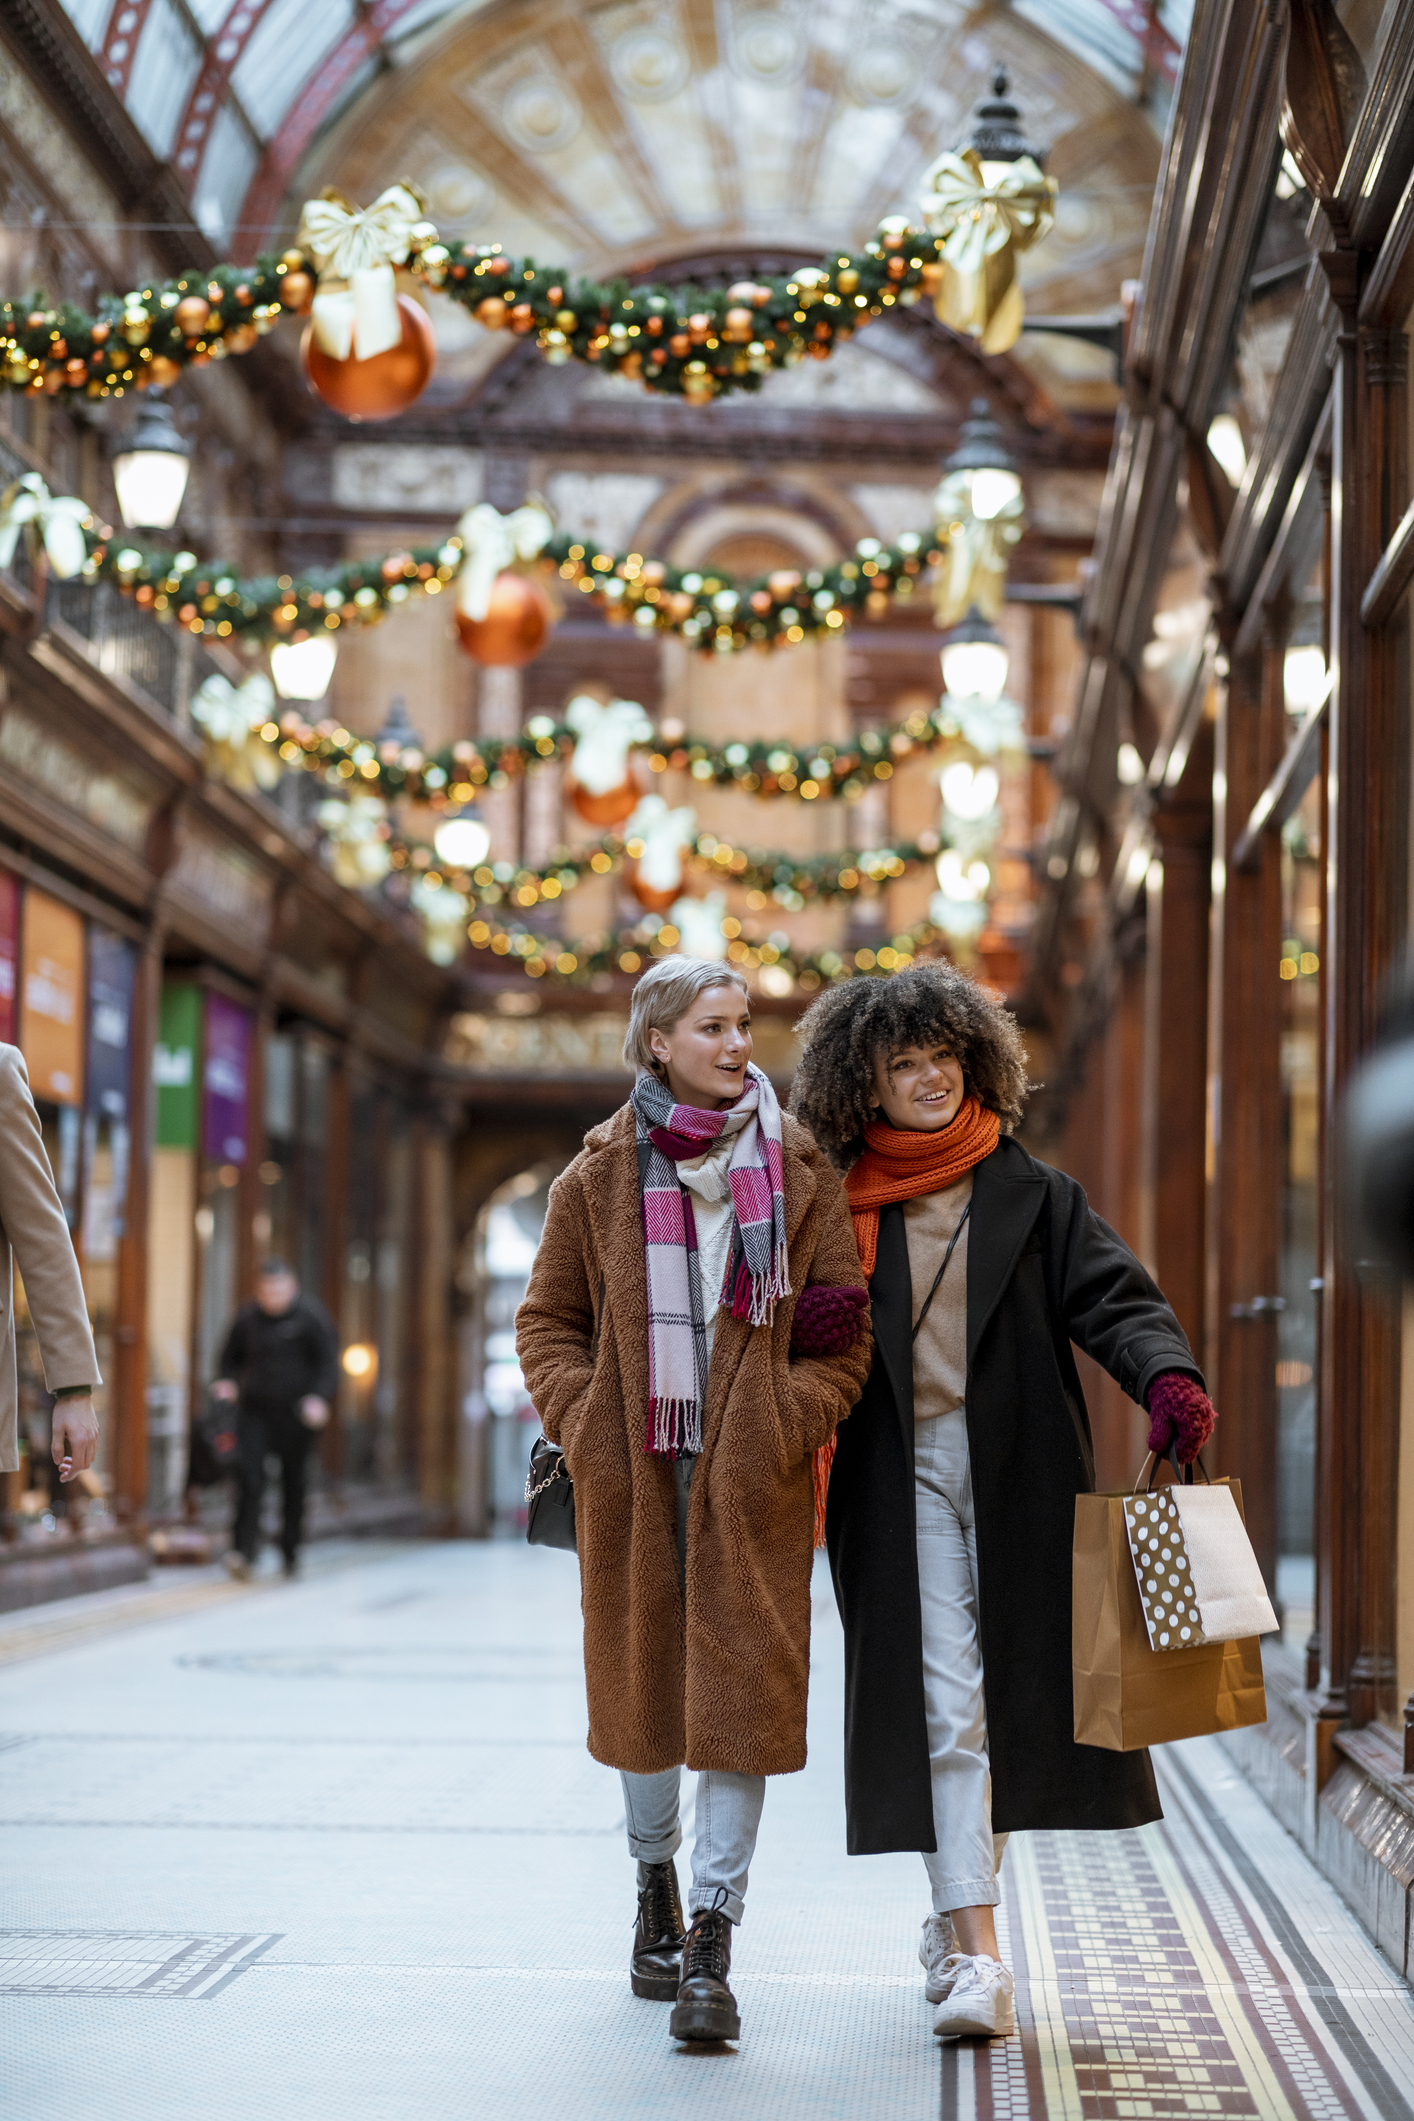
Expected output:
(34, 1233)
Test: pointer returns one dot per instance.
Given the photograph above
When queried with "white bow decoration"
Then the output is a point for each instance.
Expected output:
(666, 835)
(974, 569)
(490, 542)
(699, 924)
(54, 521)
(989, 726)
(604, 737)
(356, 307)
(229, 716)
(228, 713)
(443, 913)
(357, 833)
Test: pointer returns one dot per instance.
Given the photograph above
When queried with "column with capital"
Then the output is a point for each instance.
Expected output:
(498, 713)
(1366, 890)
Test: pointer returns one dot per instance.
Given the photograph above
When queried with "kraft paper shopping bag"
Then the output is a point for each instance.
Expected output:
(1128, 1695)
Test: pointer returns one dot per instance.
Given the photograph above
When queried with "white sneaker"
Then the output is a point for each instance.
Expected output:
(980, 2004)
(939, 1956)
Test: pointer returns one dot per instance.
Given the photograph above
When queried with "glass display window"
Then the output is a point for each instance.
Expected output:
(1299, 971)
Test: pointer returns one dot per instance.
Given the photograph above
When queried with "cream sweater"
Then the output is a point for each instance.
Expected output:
(940, 1351)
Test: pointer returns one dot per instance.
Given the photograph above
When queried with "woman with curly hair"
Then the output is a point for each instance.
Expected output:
(952, 1492)
(693, 1332)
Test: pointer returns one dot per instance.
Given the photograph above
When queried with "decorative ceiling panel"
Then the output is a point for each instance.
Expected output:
(166, 63)
(284, 51)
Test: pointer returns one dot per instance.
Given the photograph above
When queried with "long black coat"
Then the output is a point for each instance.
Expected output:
(1042, 1271)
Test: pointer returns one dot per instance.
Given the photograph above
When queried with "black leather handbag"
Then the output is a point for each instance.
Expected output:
(549, 1497)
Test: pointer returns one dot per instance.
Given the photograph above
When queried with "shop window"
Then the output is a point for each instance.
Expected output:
(495, 1273)
(1299, 970)
(363, 1457)
(275, 1222)
(397, 1438)
(171, 1243)
(313, 1162)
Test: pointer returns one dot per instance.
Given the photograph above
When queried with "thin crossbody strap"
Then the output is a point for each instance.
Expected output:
(937, 1278)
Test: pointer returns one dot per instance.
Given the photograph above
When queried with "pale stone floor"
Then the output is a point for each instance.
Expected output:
(335, 1852)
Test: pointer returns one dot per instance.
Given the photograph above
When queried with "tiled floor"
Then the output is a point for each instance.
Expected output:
(335, 1852)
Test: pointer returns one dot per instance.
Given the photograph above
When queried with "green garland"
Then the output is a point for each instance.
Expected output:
(791, 880)
(713, 612)
(135, 339)
(717, 614)
(458, 772)
(697, 343)
(692, 342)
(590, 957)
(209, 597)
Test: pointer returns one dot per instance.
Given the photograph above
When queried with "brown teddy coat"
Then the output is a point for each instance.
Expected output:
(722, 1685)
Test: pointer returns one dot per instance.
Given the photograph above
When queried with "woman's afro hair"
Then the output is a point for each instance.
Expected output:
(930, 1004)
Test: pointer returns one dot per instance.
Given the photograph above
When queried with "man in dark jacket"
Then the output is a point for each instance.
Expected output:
(281, 1361)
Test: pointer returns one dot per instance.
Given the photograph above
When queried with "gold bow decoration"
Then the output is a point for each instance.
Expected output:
(228, 716)
(491, 543)
(985, 215)
(54, 524)
(355, 249)
(974, 566)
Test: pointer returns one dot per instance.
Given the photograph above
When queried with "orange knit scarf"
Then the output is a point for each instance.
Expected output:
(899, 1165)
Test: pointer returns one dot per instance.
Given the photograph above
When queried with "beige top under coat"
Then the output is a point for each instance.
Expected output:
(940, 1351)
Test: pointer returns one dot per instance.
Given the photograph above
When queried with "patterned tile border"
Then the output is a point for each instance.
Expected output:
(1166, 1976)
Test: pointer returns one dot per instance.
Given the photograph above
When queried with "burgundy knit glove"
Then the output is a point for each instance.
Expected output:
(1181, 1414)
(827, 1321)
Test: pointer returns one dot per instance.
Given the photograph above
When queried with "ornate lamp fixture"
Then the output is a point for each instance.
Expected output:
(150, 474)
(987, 202)
(462, 841)
(302, 670)
(980, 512)
(975, 660)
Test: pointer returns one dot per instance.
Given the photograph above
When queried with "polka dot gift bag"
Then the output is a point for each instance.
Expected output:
(1167, 1615)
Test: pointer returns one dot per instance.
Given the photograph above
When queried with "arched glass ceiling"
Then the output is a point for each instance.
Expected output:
(234, 93)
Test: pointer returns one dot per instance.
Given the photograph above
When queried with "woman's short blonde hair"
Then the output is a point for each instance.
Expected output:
(663, 995)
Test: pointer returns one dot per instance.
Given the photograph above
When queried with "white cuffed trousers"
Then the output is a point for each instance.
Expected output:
(963, 1871)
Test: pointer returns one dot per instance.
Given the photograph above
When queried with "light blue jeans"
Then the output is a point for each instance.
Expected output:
(963, 1871)
(727, 1815)
(728, 1810)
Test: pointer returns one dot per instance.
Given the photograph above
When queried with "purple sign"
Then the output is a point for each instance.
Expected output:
(226, 1081)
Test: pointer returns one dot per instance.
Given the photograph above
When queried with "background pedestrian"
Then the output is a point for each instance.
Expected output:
(280, 1362)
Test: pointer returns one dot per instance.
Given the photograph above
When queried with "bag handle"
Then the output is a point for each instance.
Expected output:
(1182, 1475)
(937, 1278)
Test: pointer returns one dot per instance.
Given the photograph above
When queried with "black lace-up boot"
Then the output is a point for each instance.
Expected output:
(656, 1966)
(706, 2008)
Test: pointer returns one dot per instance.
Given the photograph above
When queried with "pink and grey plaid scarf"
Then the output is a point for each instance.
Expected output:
(758, 1271)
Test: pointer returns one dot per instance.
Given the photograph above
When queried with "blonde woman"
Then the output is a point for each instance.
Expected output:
(693, 1332)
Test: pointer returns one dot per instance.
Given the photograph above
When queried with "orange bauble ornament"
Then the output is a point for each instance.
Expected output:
(514, 628)
(605, 810)
(652, 901)
(386, 384)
